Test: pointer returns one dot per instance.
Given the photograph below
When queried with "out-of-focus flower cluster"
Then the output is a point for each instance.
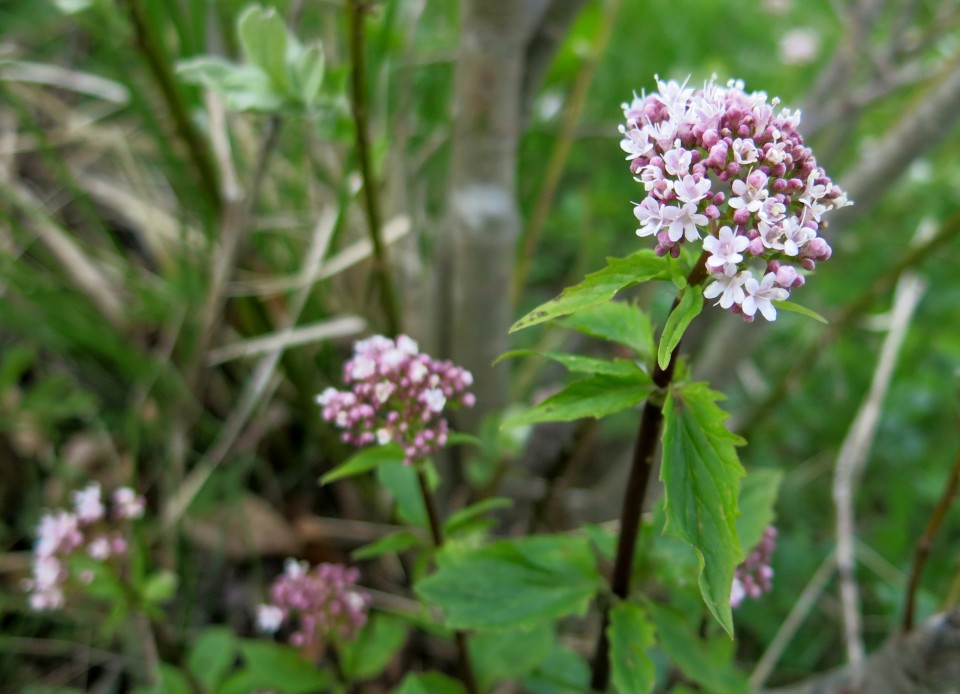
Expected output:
(754, 576)
(396, 394)
(726, 168)
(319, 603)
(89, 528)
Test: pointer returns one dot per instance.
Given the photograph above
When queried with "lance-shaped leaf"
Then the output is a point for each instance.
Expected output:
(616, 321)
(757, 498)
(599, 286)
(701, 475)
(631, 636)
(579, 363)
(689, 307)
(364, 460)
(596, 396)
(512, 583)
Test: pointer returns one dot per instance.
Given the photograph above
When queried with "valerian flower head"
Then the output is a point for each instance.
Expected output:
(85, 529)
(319, 603)
(396, 395)
(726, 169)
(754, 576)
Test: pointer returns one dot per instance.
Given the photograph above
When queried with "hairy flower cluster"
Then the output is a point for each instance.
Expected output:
(396, 394)
(753, 577)
(89, 528)
(724, 167)
(320, 603)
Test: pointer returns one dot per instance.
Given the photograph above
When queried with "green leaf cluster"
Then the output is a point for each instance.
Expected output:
(279, 73)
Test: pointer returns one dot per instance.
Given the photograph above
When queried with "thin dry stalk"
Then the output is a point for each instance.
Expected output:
(258, 388)
(853, 456)
(923, 544)
(791, 625)
(283, 340)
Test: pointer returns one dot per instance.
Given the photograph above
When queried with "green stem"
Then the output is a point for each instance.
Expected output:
(381, 266)
(641, 471)
(436, 533)
(149, 46)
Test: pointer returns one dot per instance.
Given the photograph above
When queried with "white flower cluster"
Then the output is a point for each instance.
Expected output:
(724, 163)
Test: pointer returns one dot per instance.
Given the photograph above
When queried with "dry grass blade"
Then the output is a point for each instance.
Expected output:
(258, 388)
(393, 231)
(65, 78)
(82, 270)
(285, 339)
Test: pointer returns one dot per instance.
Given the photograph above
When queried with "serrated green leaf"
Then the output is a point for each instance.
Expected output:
(502, 655)
(375, 646)
(460, 519)
(512, 583)
(791, 307)
(579, 363)
(263, 39)
(596, 396)
(701, 475)
(631, 636)
(599, 287)
(691, 303)
(709, 662)
(429, 683)
(391, 544)
(616, 321)
(364, 460)
(758, 495)
(212, 656)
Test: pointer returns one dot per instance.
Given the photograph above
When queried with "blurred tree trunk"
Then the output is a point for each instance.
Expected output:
(505, 47)
(483, 221)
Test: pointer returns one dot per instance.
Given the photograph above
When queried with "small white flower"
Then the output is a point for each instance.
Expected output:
(407, 345)
(677, 161)
(744, 151)
(726, 251)
(636, 143)
(691, 190)
(383, 436)
(434, 399)
(748, 195)
(418, 371)
(383, 390)
(128, 504)
(737, 593)
(729, 288)
(99, 548)
(327, 396)
(355, 601)
(683, 222)
(760, 296)
(650, 214)
(87, 504)
(269, 618)
(362, 367)
(295, 569)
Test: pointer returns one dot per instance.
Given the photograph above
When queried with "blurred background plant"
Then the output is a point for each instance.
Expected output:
(186, 255)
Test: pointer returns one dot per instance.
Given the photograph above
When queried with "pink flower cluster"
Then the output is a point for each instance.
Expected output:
(396, 394)
(89, 528)
(754, 576)
(723, 162)
(322, 602)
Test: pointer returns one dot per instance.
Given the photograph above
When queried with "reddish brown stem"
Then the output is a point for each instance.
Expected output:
(923, 545)
(641, 471)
